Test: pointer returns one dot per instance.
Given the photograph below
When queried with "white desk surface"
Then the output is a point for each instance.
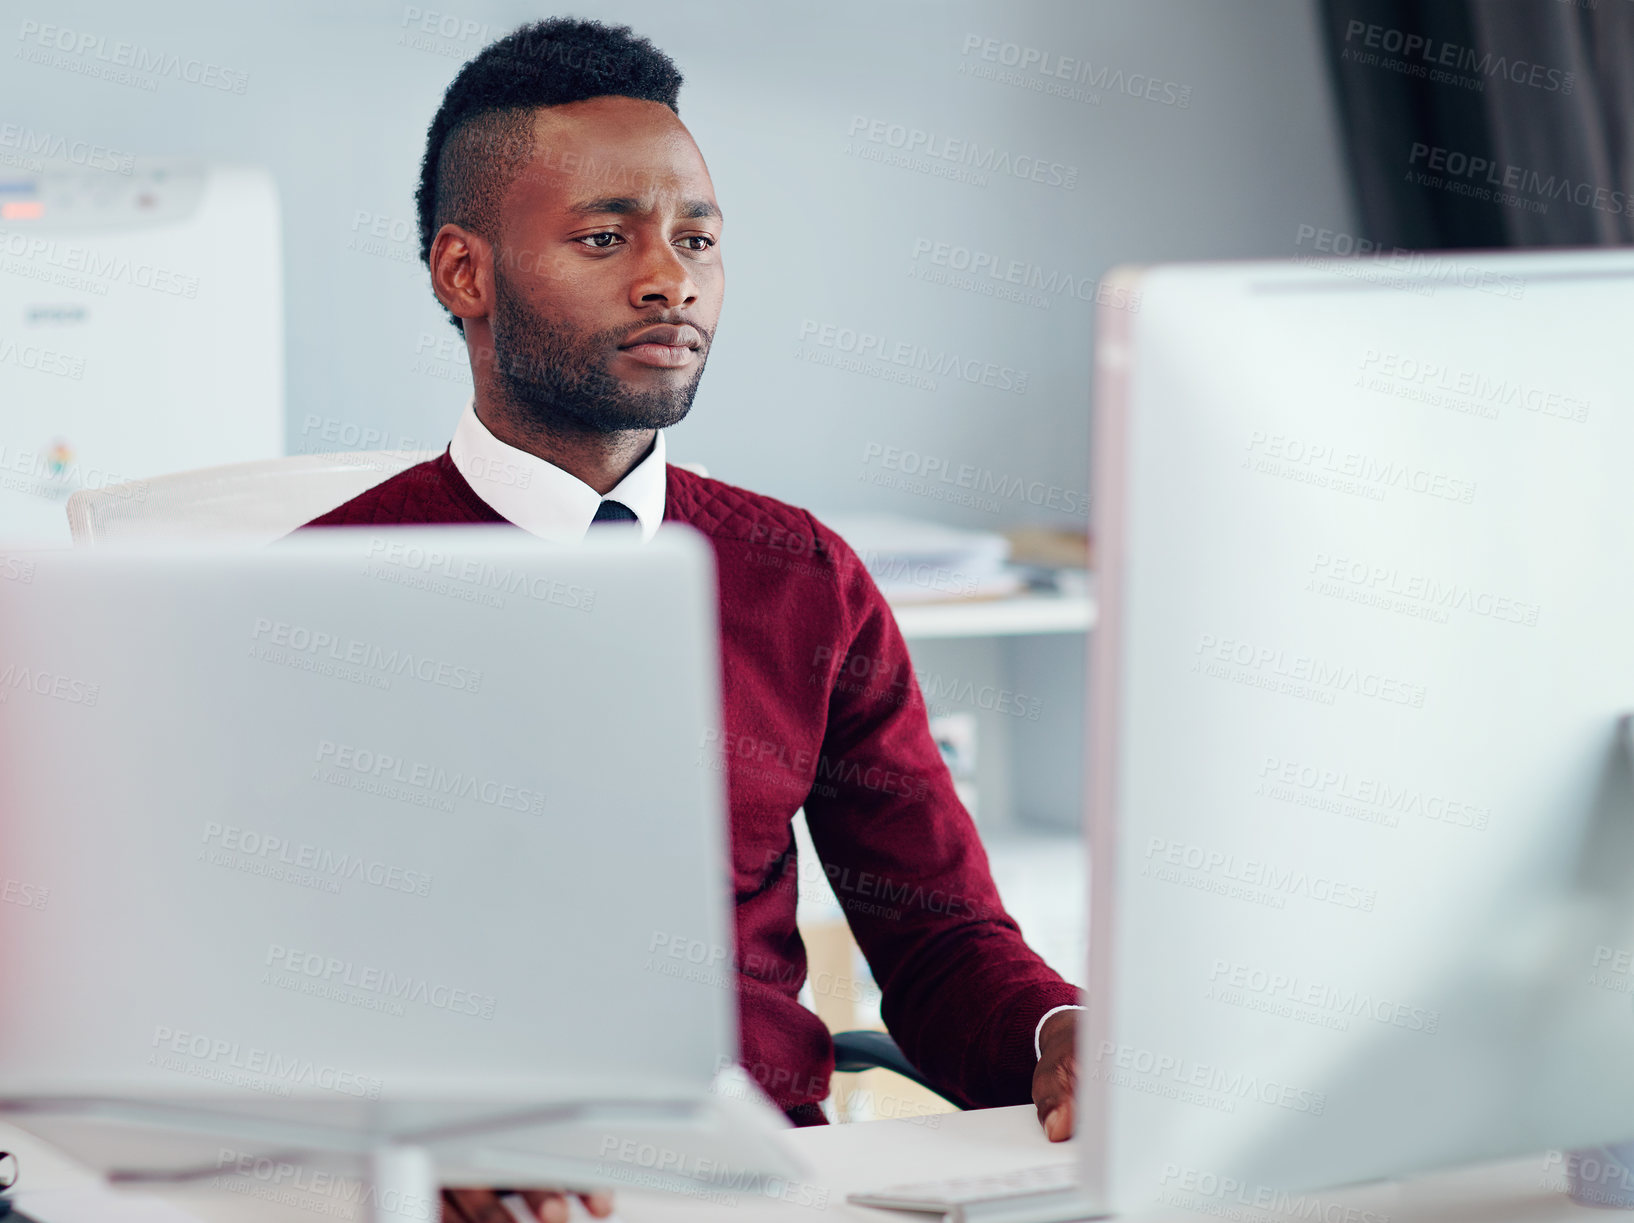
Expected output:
(850, 1158)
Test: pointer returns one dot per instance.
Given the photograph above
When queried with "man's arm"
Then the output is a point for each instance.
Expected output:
(963, 994)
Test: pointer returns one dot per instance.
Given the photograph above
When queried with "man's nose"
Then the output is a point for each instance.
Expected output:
(664, 279)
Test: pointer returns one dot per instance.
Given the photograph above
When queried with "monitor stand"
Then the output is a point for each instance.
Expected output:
(398, 1165)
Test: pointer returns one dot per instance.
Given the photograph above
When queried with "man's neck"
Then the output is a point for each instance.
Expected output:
(601, 460)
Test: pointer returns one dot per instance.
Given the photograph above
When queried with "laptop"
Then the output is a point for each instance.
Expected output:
(404, 841)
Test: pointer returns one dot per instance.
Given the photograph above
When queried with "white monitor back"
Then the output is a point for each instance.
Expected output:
(141, 329)
(1361, 820)
(343, 830)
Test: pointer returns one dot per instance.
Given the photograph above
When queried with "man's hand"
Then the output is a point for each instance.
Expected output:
(484, 1206)
(1055, 1080)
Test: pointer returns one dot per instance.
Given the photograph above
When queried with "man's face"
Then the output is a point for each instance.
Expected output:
(608, 276)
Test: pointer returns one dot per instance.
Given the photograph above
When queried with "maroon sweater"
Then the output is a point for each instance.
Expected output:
(822, 710)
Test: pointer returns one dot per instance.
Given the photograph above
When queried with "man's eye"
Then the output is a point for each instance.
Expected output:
(595, 240)
(704, 238)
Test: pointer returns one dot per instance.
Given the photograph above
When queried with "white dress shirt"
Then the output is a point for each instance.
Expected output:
(542, 498)
(546, 501)
(1039, 1030)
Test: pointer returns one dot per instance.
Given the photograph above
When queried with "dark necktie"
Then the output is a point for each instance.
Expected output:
(612, 511)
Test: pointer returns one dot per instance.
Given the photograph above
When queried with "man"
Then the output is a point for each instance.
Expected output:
(572, 233)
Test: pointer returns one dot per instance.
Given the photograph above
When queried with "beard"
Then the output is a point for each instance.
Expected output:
(559, 377)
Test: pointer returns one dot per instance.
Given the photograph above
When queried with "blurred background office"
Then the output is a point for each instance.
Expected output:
(921, 200)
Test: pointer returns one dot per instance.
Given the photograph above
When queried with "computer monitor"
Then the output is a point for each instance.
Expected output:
(1361, 822)
(368, 840)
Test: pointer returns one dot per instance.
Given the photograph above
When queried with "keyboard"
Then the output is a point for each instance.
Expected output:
(1045, 1194)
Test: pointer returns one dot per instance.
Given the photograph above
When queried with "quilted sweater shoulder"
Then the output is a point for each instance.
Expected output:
(424, 493)
(726, 512)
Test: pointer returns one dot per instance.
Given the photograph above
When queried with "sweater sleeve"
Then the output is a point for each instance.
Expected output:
(962, 992)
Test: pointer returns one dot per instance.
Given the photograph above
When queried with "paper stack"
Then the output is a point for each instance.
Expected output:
(914, 561)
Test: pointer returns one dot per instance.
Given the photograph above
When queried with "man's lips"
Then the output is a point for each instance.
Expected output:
(665, 347)
(664, 356)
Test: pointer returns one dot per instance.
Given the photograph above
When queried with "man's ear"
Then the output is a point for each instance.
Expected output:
(462, 272)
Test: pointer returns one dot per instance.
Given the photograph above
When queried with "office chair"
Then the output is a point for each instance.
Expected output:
(254, 502)
(257, 502)
(861, 1049)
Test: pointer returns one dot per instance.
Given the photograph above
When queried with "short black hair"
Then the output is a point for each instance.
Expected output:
(482, 134)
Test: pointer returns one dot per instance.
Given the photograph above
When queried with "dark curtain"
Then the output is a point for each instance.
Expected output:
(1487, 123)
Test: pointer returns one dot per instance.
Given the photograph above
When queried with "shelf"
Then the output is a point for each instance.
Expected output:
(1021, 615)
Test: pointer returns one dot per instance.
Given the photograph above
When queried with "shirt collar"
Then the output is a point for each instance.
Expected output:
(540, 497)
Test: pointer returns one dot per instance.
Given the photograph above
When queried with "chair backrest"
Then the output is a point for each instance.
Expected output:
(257, 502)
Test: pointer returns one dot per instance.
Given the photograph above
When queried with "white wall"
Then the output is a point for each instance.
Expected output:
(336, 104)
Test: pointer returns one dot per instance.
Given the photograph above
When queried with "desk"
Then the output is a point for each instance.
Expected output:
(1017, 615)
(848, 1158)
